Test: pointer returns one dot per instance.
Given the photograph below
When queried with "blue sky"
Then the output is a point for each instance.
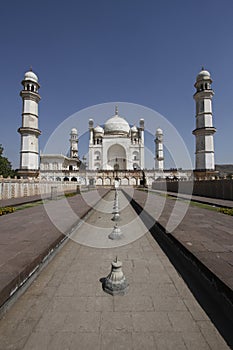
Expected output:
(91, 52)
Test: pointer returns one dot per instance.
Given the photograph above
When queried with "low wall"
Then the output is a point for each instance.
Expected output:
(221, 189)
(14, 188)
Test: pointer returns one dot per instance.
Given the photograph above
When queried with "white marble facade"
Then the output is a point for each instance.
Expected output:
(116, 145)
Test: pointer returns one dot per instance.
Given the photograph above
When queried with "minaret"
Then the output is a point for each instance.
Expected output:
(29, 150)
(74, 143)
(91, 128)
(91, 145)
(141, 145)
(159, 159)
(204, 131)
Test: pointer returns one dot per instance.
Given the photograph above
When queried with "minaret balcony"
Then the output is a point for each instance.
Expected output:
(204, 131)
(30, 95)
(203, 94)
(27, 130)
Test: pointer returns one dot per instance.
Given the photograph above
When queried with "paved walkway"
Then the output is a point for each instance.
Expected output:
(207, 234)
(29, 235)
(66, 308)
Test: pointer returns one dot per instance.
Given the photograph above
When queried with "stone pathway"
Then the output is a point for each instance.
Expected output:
(28, 236)
(66, 308)
(207, 234)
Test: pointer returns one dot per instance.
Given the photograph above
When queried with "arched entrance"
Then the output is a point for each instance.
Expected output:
(99, 181)
(107, 181)
(133, 181)
(116, 158)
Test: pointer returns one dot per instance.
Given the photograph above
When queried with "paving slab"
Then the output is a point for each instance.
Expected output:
(207, 234)
(66, 308)
(28, 236)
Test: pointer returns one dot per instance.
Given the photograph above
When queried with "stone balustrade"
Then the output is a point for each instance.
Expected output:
(17, 188)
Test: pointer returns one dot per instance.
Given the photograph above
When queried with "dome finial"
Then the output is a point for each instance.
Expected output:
(202, 68)
(30, 68)
(116, 110)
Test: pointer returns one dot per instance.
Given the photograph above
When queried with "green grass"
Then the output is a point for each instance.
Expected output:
(204, 206)
(71, 194)
(28, 205)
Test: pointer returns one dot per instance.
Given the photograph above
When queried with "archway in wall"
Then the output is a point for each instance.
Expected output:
(97, 166)
(107, 181)
(133, 181)
(125, 181)
(136, 166)
(116, 158)
(150, 180)
(99, 181)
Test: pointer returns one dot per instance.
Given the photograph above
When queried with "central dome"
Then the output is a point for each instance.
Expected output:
(116, 125)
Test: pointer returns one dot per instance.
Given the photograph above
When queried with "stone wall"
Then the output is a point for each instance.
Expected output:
(14, 188)
(221, 189)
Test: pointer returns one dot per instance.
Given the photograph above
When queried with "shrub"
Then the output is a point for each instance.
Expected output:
(70, 194)
(6, 210)
(228, 211)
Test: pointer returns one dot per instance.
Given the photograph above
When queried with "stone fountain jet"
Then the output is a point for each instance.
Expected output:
(116, 233)
(115, 283)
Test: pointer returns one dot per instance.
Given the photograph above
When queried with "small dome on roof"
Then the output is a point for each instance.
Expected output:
(99, 129)
(74, 131)
(30, 75)
(134, 129)
(159, 131)
(203, 74)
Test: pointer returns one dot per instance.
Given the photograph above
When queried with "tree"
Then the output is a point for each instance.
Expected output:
(5, 165)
